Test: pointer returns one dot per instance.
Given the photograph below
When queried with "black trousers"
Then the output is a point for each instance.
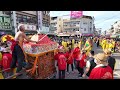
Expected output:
(61, 74)
(17, 57)
(80, 70)
(97, 44)
(71, 67)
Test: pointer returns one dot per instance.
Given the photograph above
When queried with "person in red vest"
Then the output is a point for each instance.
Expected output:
(102, 70)
(76, 53)
(82, 62)
(6, 59)
(61, 63)
(70, 59)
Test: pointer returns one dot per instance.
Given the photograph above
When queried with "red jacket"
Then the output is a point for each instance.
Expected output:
(69, 57)
(101, 73)
(82, 63)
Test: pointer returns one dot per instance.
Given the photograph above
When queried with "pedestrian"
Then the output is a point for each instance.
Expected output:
(97, 42)
(88, 46)
(70, 59)
(90, 64)
(102, 69)
(6, 59)
(82, 62)
(18, 54)
(76, 53)
(111, 60)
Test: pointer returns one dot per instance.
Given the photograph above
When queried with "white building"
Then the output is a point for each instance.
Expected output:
(83, 25)
(99, 31)
(56, 24)
(87, 25)
(116, 27)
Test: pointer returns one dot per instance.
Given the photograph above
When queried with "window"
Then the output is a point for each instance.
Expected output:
(19, 18)
(28, 19)
(90, 29)
(84, 23)
(84, 29)
(25, 18)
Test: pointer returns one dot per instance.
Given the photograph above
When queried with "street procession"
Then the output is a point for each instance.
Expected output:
(59, 54)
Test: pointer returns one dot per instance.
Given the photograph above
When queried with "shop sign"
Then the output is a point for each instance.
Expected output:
(5, 23)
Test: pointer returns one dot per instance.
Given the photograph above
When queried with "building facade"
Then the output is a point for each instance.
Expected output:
(82, 25)
(5, 22)
(87, 25)
(116, 27)
(28, 18)
(56, 24)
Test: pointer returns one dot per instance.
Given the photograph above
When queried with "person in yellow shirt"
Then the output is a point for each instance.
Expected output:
(107, 44)
(80, 44)
(88, 46)
(76, 44)
(73, 42)
(104, 41)
(65, 45)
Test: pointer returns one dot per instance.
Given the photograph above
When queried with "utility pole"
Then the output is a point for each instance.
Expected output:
(39, 15)
(13, 16)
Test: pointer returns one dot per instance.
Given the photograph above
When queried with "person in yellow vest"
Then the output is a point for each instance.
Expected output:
(88, 46)
(65, 45)
(73, 42)
(76, 44)
(104, 41)
(62, 42)
(80, 44)
(111, 46)
(113, 42)
(107, 44)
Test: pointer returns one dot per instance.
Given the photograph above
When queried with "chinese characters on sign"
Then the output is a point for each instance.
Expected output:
(76, 14)
(5, 23)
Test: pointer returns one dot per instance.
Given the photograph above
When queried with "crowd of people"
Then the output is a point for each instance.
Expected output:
(76, 52)
(82, 58)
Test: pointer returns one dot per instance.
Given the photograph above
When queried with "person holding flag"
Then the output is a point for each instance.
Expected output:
(88, 46)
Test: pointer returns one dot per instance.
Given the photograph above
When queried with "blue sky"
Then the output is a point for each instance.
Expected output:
(103, 19)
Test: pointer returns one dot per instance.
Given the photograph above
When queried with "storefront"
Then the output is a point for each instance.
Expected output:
(5, 25)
